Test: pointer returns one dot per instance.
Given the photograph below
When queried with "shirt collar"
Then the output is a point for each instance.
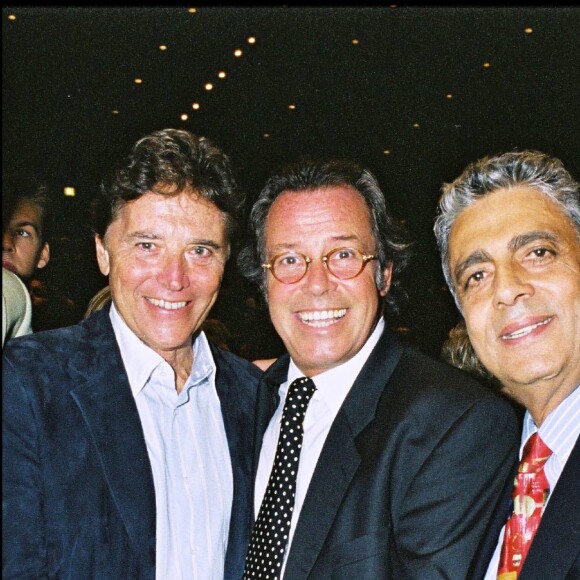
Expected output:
(333, 385)
(140, 360)
(560, 429)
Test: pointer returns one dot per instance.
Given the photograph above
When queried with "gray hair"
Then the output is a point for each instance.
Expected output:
(533, 169)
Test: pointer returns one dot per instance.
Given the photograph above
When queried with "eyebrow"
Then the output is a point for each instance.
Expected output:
(23, 223)
(152, 236)
(517, 242)
(520, 241)
(477, 257)
(292, 245)
(143, 235)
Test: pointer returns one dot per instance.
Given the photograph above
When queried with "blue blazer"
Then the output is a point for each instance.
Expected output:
(408, 476)
(78, 494)
(555, 551)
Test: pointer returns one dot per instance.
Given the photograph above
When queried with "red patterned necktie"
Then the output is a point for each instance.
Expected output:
(531, 490)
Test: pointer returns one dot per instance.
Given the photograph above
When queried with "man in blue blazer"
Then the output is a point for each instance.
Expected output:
(402, 457)
(127, 438)
(509, 234)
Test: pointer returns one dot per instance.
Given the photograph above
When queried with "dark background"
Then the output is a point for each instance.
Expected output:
(66, 69)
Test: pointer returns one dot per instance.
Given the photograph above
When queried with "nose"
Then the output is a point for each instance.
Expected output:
(174, 274)
(7, 245)
(318, 278)
(511, 285)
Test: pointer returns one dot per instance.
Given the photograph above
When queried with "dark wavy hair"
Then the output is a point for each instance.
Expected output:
(308, 175)
(168, 162)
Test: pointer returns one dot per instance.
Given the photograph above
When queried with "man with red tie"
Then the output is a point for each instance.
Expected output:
(508, 231)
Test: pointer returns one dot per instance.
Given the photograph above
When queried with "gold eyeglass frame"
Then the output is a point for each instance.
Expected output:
(307, 259)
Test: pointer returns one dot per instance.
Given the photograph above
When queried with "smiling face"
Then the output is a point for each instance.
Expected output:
(515, 262)
(322, 320)
(165, 258)
(23, 250)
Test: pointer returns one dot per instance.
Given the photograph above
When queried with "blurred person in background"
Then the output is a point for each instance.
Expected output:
(28, 228)
(26, 216)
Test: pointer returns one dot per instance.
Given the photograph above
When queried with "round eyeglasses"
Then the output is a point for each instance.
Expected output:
(343, 263)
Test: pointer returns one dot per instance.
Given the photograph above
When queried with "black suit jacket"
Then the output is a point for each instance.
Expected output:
(555, 550)
(78, 494)
(409, 473)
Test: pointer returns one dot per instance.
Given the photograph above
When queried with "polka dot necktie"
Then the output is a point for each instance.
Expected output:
(531, 490)
(270, 536)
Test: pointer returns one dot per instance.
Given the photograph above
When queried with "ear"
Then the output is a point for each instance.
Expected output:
(387, 276)
(44, 256)
(102, 256)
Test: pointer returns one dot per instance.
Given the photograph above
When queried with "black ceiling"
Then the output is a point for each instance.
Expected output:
(66, 69)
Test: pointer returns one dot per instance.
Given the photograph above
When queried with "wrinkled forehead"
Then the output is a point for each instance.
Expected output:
(331, 210)
(494, 221)
(169, 216)
(166, 195)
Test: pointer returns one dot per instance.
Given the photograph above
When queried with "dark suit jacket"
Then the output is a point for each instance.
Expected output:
(555, 550)
(409, 474)
(78, 492)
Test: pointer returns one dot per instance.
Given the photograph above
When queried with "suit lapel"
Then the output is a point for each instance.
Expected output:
(557, 541)
(108, 408)
(499, 517)
(268, 399)
(340, 458)
(237, 408)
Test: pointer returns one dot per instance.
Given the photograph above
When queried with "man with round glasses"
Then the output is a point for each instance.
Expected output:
(344, 263)
(402, 458)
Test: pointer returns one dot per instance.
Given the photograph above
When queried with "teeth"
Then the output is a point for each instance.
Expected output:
(526, 330)
(322, 317)
(166, 305)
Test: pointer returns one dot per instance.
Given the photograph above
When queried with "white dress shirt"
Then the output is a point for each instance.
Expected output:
(188, 450)
(332, 387)
(559, 432)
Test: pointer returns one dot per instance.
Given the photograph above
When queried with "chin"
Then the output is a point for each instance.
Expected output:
(529, 378)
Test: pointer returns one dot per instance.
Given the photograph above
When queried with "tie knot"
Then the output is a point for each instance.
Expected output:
(301, 389)
(535, 454)
(299, 394)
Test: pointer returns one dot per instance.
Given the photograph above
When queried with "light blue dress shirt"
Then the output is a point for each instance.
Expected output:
(188, 449)
(559, 431)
